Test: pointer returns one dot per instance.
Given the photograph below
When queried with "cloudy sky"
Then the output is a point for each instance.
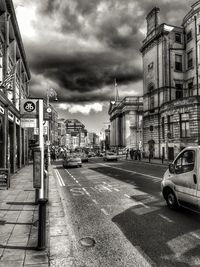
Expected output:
(79, 47)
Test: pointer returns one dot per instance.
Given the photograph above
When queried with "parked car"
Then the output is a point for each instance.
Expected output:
(72, 161)
(91, 154)
(110, 156)
(181, 182)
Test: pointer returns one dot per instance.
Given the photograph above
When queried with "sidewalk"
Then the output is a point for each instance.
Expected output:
(146, 160)
(18, 223)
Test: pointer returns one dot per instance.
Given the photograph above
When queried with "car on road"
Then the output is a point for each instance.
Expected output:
(72, 161)
(181, 182)
(84, 157)
(110, 156)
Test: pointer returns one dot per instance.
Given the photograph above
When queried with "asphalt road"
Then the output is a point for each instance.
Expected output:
(119, 218)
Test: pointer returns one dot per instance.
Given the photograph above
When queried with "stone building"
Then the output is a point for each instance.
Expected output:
(14, 81)
(171, 58)
(126, 122)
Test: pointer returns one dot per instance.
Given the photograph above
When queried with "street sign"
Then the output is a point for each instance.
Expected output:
(28, 123)
(49, 110)
(28, 107)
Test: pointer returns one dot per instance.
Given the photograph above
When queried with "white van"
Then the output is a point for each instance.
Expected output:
(181, 182)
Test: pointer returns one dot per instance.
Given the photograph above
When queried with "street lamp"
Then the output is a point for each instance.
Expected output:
(50, 93)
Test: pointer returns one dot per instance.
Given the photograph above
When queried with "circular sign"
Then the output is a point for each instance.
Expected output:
(48, 110)
(29, 106)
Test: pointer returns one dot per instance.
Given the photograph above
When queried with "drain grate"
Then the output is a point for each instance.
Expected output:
(87, 241)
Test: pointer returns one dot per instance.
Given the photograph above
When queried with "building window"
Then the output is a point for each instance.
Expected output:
(178, 62)
(190, 89)
(184, 125)
(189, 60)
(163, 127)
(170, 125)
(178, 37)
(189, 36)
(179, 90)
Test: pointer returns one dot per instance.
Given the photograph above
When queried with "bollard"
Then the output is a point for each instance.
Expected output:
(46, 184)
(42, 224)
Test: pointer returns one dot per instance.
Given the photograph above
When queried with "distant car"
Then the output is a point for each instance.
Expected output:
(110, 156)
(91, 154)
(84, 157)
(72, 162)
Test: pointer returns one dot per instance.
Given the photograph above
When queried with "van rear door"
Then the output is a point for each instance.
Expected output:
(185, 177)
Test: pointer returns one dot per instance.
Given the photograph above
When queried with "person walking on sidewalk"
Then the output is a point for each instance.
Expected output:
(131, 153)
(127, 152)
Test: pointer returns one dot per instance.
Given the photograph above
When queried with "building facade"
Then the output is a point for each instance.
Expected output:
(126, 122)
(171, 58)
(14, 85)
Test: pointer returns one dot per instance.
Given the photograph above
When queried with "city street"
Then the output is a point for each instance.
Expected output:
(117, 216)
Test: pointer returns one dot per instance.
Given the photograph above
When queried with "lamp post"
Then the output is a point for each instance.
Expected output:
(50, 93)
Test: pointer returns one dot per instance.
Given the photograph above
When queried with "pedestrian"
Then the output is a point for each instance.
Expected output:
(131, 153)
(127, 151)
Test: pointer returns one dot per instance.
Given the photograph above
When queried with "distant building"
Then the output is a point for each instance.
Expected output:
(75, 134)
(61, 132)
(171, 63)
(126, 122)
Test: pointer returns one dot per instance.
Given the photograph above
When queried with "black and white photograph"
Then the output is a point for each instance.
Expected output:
(99, 133)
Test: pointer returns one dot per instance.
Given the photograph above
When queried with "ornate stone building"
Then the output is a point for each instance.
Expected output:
(126, 122)
(171, 58)
(14, 81)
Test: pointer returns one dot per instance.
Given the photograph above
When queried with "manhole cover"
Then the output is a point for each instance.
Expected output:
(87, 242)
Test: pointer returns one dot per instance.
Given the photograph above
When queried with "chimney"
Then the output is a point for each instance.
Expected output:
(153, 20)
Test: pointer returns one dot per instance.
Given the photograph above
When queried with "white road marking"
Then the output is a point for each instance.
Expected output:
(58, 178)
(94, 201)
(77, 191)
(133, 172)
(166, 218)
(127, 196)
(107, 188)
(104, 211)
(116, 189)
(86, 191)
(195, 235)
(61, 182)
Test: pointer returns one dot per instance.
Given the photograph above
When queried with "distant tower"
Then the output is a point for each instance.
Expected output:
(116, 92)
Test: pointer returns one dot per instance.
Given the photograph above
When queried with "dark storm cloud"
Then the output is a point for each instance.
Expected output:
(81, 46)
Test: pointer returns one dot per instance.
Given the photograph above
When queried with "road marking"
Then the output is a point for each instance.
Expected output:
(166, 218)
(127, 196)
(86, 191)
(60, 180)
(94, 201)
(104, 211)
(107, 188)
(77, 191)
(195, 235)
(121, 169)
(116, 189)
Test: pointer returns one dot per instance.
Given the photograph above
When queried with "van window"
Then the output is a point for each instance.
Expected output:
(185, 162)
